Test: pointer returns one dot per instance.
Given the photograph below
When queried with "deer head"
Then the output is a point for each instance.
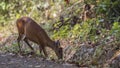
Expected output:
(58, 50)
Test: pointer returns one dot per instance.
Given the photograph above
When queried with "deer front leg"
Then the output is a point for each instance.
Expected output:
(26, 40)
(44, 51)
(40, 49)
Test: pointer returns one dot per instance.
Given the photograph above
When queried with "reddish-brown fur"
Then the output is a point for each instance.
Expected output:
(28, 29)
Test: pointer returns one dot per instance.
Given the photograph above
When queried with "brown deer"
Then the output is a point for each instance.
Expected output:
(28, 29)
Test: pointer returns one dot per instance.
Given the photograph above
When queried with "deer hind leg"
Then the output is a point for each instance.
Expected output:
(18, 41)
(21, 37)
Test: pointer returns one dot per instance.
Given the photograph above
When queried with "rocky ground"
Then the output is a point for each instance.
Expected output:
(99, 56)
(10, 60)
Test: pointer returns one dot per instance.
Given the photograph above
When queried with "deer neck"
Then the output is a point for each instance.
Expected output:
(51, 44)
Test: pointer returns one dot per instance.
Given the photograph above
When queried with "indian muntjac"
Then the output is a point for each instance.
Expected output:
(28, 29)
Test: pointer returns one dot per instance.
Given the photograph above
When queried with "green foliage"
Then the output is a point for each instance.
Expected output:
(84, 31)
(62, 33)
(103, 6)
(116, 29)
(109, 9)
(12, 48)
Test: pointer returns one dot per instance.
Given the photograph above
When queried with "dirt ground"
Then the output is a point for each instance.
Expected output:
(14, 61)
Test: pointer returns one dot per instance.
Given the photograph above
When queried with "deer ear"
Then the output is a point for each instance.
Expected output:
(58, 41)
